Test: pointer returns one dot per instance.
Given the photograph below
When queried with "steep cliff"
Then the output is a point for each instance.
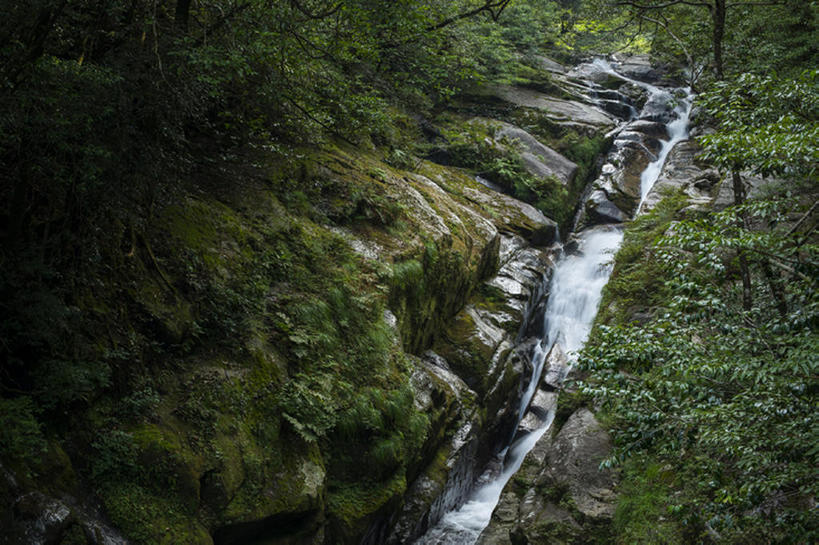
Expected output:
(321, 347)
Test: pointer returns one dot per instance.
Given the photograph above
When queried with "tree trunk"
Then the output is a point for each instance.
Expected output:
(775, 285)
(718, 20)
(183, 8)
(739, 198)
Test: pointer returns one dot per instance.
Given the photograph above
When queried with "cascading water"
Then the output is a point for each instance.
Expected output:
(574, 295)
(677, 131)
(677, 128)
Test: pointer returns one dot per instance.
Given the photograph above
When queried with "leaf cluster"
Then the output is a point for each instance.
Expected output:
(766, 124)
(726, 397)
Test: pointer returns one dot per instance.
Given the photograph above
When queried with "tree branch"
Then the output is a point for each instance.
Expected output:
(804, 217)
(664, 26)
(638, 5)
(770, 3)
(236, 10)
(494, 7)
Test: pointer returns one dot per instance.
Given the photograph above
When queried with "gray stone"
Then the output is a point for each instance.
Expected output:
(569, 111)
(549, 65)
(559, 492)
(556, 367)
(637, 67)
(516, 217)
(538, 414)
(600, 210)
(540, 161)
(650, 128)
(41, 519)
(659, 108)
(597, 74)
(574, 462)
(618, 108)
(637, 93)
(681, 172)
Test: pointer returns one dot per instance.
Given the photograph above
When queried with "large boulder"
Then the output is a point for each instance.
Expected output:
(683, 172)
(549, 65)
(599, 209)
(564, 112)
(539, 160)
(637, 67)
(444, 483)
(556, 367)
(560, 495)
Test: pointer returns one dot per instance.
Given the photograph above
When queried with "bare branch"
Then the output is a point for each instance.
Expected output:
(664, 25)
(494, 7)
(643, 6)
(804, 217)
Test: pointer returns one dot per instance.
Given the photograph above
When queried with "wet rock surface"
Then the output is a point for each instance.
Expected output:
(556, 368)
(616, 194)
(559, 495)
(682, 172)
(446, 481)
(36, 518)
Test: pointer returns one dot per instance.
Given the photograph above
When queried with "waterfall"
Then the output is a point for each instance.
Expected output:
(574, 294)
(677, 131)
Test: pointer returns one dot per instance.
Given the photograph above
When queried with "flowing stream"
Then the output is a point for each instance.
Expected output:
(574, 294)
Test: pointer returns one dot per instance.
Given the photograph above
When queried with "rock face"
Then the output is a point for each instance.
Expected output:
(477, 357)
(462, 268)
(564, 112)
(40, 519)
(615, 195)
(540, 161)
(683, 172)
(559, 495)
(557, 366)
(444, 482)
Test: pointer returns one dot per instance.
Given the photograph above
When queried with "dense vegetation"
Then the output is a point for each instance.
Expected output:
(140, 139)
(712, 393)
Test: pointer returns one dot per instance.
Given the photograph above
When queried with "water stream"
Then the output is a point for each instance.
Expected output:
(574, 294)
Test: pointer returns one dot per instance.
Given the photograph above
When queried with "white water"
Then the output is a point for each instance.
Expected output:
(574, 295)
(677, 132)
(464, 526)
(677, 129)
(577, 285)
(575, 289)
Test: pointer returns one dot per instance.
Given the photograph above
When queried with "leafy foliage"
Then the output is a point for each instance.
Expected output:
(727, 395)
(767, 124)
(20, 434)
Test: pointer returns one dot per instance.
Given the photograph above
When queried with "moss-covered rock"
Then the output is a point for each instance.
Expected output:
(248, 385)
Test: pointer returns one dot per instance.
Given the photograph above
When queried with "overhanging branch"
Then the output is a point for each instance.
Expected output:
(493, 7)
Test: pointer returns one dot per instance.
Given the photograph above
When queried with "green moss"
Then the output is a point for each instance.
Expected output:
(258, 339)
(636, 284)
(425, 302)
(288, 479)
(642, 515)
(56, 471)
(21, 438)
(167, 464)
(351, 504)
(150, 518)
